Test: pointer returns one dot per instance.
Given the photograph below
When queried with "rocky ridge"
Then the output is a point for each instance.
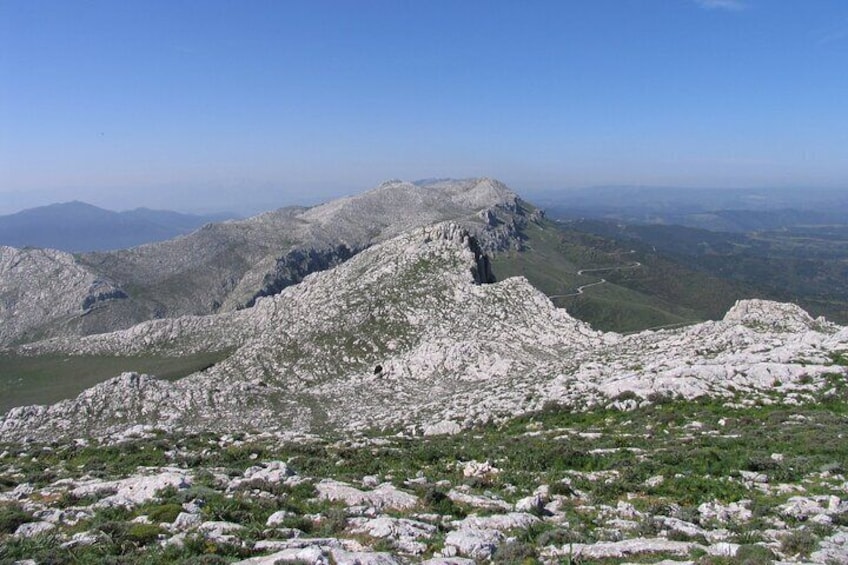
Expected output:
(227, 266)
(412, 333)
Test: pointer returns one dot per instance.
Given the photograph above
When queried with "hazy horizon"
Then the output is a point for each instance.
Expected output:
(241, 107)
(815, 196)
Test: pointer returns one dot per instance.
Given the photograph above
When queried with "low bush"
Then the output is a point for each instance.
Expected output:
(12, 516)
(751, 554)
(799, 542)
(516, 553)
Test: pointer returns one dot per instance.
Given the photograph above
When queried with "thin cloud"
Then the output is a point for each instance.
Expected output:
(837, 33)
(729, 5)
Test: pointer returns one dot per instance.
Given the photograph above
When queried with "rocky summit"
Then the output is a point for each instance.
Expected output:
(394, 403)
(226, 266)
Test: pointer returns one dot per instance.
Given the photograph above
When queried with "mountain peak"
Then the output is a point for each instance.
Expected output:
(228, 266)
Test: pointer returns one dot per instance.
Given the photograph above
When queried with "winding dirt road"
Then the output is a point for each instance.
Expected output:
(579, 291)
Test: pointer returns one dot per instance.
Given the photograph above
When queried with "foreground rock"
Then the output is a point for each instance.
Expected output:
(680, 481)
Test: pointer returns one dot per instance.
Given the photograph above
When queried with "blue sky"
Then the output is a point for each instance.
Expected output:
(210, 105)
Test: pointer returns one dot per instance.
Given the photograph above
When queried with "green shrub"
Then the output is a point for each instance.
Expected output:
(560, 537)
(799, 542)
(142, 534)
(333, 522)
(562, 489)
(754, 555)
(840, 519)
(677, 535)
(516, 553)
(205, 560)
(164, 512)
(12, 516)
(437, 501)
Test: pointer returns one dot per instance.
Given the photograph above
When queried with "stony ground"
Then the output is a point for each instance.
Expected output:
(676, 482)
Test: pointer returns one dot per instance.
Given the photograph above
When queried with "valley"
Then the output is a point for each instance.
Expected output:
(805, 264)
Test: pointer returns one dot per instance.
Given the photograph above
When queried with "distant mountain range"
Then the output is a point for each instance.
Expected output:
(77, 227)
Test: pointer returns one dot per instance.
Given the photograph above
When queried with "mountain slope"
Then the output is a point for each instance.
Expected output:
(45, 284)
(226, 266)
(77, 226)
(614, 285)
(406, 333)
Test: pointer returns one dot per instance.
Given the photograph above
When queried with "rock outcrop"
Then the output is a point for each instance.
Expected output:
(452, 352)
(43, 290)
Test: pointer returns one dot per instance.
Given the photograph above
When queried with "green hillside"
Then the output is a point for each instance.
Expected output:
(805, 265)
(642, 289)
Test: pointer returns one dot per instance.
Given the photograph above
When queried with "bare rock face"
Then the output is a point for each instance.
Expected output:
(44, 288)
(774, 316)
(410, 333)
(227, 266)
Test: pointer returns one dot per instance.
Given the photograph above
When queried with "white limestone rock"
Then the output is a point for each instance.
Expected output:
(344, 557)
(382, 497)
(723, 549)
(134, 490)
(32, 529)
(278, 518)
(735, 512)
(535, 503)
(832, 549)
(499, 522)
(807, 507)
(82, 539)
(461, 496)
(404, 533)
(318, 551)
(312, 555)
(621, 549)
(220, 531)
(185, 521)
(479, 470)
(272, 472)
(473, 542)
(773, 316)
(445, 427)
